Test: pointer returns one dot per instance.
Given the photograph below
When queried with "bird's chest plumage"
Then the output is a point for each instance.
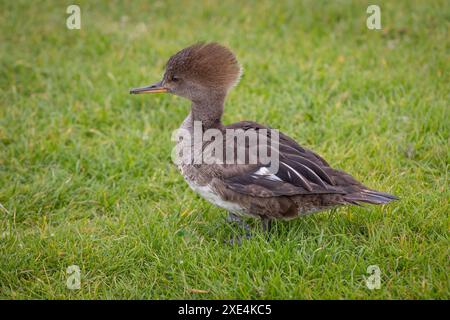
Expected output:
(199, 176)
(203, 186)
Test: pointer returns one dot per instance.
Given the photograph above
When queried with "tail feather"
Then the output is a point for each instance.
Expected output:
(370, 196)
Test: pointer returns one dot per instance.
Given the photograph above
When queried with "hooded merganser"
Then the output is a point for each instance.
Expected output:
(304, 182)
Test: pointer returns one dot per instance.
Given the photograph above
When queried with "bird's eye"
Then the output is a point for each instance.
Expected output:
(175, 78)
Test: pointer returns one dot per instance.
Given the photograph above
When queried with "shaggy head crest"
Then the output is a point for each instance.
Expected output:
(208, 64)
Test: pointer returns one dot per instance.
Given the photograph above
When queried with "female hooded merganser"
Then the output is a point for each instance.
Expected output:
(303, 183)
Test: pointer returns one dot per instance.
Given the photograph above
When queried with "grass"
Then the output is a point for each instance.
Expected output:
(85, 170)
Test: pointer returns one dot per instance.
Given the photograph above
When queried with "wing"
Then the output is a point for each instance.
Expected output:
(300, 171)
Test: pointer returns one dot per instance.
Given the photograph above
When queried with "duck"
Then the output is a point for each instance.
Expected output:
(303, 182)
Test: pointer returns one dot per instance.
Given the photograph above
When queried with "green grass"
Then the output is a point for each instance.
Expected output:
(85, 170)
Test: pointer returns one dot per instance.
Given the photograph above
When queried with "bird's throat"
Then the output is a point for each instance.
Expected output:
(208, 111)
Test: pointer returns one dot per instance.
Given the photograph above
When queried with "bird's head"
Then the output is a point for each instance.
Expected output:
(198, 71)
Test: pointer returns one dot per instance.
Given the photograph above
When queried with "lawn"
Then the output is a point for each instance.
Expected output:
(86, 176)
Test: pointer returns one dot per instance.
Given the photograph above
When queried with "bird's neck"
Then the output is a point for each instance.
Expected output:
(208, 110)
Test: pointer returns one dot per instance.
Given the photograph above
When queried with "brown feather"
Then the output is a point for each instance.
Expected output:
(210, 64)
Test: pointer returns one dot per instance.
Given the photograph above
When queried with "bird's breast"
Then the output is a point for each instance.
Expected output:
(208, 192)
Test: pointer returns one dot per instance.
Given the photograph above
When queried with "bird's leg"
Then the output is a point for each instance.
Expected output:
(266, 225)
(233, 218)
